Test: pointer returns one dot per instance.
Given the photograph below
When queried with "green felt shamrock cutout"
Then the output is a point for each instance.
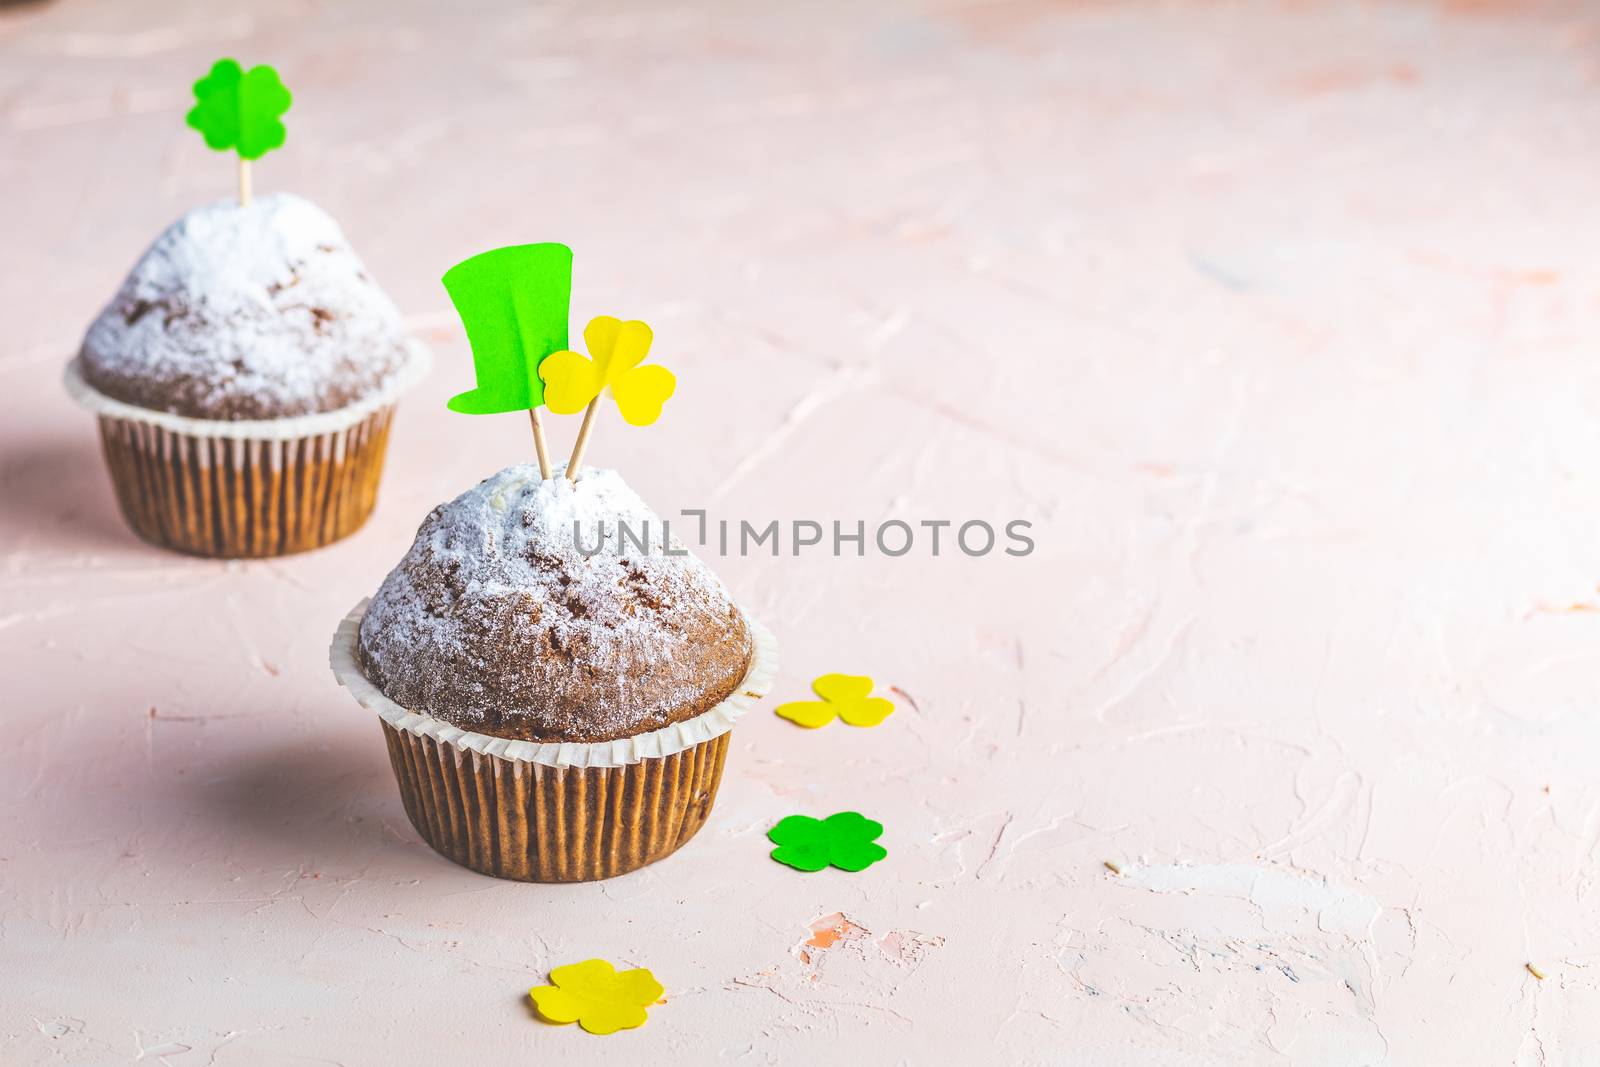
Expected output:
(240, 109)
(847, 841)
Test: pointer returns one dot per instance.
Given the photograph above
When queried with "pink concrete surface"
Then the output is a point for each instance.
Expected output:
(1278, 320)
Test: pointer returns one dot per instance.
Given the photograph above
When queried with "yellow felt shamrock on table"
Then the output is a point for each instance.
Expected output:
(597, 996)
(849, 696)
(616, 348)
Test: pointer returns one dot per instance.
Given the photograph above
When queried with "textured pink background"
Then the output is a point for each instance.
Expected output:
(1280, 322)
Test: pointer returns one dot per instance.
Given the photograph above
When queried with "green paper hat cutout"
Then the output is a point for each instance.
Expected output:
(240, 109)
(514, 303)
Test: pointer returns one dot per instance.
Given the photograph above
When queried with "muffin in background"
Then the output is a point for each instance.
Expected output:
(245, 377)
(556, 699)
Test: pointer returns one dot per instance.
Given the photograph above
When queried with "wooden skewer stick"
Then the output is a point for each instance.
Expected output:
(244, 182)
(583, 440)
(538, 444)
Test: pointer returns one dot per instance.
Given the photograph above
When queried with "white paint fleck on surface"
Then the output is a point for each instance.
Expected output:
(1279, 896)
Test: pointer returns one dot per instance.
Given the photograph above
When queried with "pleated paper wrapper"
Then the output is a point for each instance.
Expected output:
(246, 488)
(554, 812)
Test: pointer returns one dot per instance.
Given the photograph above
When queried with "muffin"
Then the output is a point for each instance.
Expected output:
(556, 678)
(245, 378)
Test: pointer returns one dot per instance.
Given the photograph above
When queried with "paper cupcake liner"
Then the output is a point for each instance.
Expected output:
(228, 498)
(533, 823)
(248, 488)
(568, 812)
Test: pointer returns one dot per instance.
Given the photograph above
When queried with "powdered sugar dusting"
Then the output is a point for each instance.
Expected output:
(246, 313)
(526, 608)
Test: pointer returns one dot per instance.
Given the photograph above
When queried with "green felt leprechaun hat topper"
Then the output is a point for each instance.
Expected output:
(241, 110)
(514, 304)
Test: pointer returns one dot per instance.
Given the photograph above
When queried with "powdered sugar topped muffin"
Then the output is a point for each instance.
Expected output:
(255, 312)
(523, 610)
(556, 676)
(245, 378)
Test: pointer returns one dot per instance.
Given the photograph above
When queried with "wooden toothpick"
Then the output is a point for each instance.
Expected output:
(583, 440)
(244, 182)
(538, 444)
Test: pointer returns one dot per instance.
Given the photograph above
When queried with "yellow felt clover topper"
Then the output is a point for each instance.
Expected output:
(597, 996)
(572, 381)
(849, 696)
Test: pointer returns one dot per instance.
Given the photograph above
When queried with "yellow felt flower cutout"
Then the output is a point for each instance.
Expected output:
(597, 996)
(616, 348)
(849, 696)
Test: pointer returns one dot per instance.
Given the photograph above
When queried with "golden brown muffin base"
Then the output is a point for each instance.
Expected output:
(352, 381)
(515, 679)
(725, 661)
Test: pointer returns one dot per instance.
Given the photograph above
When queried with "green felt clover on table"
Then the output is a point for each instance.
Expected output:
(847, 840)
(242, 110)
